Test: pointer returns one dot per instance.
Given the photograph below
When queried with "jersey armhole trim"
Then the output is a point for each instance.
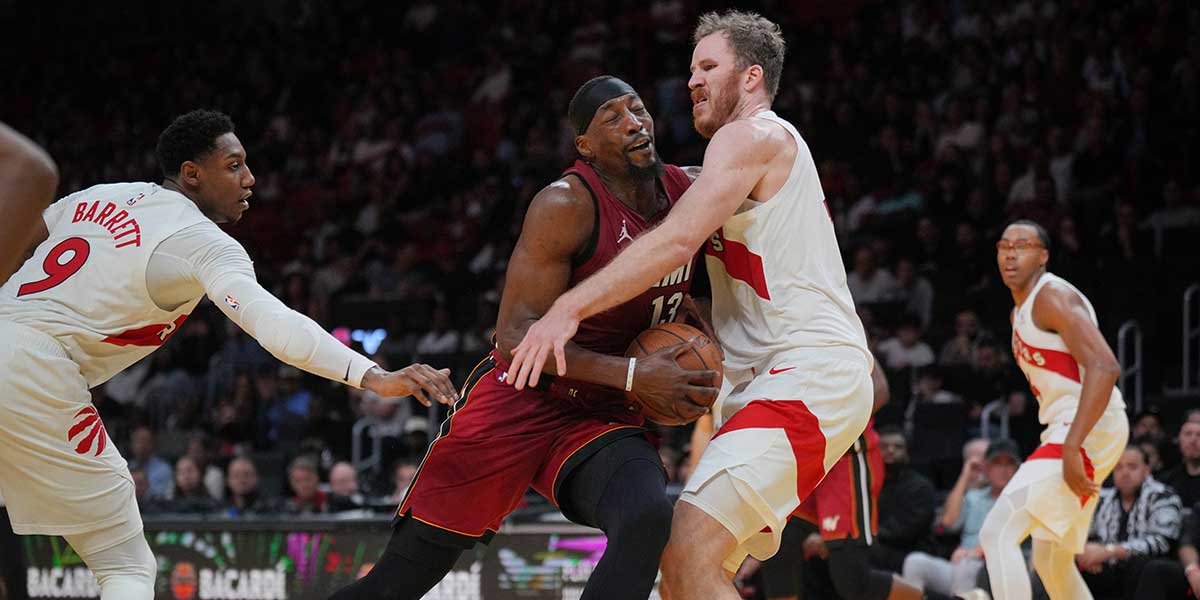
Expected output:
(589, 249)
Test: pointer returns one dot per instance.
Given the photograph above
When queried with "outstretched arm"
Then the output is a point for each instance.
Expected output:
(219, 265)
(733, 164)
(1063, 311)
(28, 178)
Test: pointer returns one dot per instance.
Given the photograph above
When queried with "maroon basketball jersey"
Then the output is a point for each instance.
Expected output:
(611, 331)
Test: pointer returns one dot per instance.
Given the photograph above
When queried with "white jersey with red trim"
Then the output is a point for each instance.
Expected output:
(86, 284)
(777, 276)
(1054, 375)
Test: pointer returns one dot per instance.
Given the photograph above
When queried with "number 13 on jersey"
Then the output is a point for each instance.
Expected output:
(671, 304)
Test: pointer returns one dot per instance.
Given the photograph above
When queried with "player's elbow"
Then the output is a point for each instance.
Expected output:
(507, 339)
(1106, 367)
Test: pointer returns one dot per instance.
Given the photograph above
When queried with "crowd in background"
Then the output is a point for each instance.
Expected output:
(397, 145)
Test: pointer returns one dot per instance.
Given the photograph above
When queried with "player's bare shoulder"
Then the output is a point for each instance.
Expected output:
(1054, 303)
(563, 212)
(754, 141)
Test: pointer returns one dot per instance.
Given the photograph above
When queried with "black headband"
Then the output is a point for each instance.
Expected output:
(591, 96)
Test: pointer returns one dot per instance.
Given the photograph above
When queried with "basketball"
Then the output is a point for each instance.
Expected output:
(703, 355)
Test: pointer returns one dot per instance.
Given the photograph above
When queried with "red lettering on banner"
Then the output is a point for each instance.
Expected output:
(150, 335)
(1052, 360)
(740, 263)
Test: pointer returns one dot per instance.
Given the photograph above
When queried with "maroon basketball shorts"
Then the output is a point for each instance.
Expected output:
(843, 505)
(497, 443)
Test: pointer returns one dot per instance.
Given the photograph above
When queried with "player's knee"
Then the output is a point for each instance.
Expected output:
(126, 571)
(647, 524)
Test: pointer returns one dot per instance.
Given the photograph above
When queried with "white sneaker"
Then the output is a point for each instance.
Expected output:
(975, 594)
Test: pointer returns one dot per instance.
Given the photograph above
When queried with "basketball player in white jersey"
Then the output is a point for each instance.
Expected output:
(796, 355)
(1072, 372)
(117, 269)
(28, 178)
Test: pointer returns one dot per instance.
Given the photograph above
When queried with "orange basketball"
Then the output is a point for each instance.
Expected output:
(703, 355)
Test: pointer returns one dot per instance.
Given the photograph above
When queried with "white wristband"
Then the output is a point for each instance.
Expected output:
(629, 375)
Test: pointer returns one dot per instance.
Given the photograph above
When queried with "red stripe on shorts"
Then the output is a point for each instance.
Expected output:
(803, 431)
(1055, 451)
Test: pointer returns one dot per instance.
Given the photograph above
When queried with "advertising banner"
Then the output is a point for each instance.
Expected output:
(289, 561)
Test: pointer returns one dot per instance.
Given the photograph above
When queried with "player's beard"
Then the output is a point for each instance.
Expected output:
(650, 172)
(720, 107)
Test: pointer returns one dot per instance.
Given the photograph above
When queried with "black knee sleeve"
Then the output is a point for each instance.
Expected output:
(853, 576)
(621, 489)
(410, 566)
(634, 511)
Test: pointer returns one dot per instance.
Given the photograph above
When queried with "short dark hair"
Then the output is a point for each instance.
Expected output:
(190, 137)
(1043, 235)
(892, 430)
(305, 463)
(755, 41)
(1134, 447)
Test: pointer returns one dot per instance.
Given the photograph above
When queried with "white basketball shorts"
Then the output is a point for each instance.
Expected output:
(778, 433)
(60, 474)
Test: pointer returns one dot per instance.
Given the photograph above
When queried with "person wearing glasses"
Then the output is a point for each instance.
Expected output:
(1072, 372)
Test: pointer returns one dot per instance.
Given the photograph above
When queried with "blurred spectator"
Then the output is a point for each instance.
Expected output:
(287, 414)
(190, 495)
(1173, 577)
(906, 504)
(304, 479)
(344, 493)
(403, 474)
(440, 339)
(868, 283)
(1185, 478)
(141, 486)
(960, 349)
(242, 481)
(914, 291)
(1148, 424)
(1136, 520)
(213, 478)
(142, 456)
(936, 421)
(1150, 449)
(906, 350)
(964, 510)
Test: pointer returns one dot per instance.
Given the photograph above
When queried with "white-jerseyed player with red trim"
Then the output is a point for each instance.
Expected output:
(1072, 372)
(117, 268)
(796, 358)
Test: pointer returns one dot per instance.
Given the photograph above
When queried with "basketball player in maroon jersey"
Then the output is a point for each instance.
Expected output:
(574, 439)
(28, 178)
